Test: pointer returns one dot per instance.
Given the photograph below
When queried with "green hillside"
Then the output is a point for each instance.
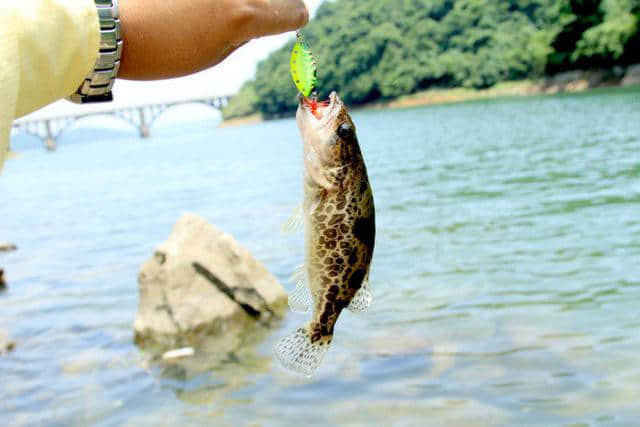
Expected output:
(381, 49)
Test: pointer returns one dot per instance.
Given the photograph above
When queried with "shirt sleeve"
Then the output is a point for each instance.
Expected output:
(47, 47)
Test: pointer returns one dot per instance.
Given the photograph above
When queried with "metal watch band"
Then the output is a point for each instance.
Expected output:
(97, 85)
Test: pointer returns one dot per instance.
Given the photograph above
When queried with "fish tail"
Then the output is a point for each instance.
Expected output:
(299, 353)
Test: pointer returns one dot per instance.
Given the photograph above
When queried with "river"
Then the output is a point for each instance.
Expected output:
(506, 276)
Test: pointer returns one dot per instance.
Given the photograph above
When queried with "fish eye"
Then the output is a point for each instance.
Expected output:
(345, 131)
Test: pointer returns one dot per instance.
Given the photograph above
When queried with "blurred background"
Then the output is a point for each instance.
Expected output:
(502, 141)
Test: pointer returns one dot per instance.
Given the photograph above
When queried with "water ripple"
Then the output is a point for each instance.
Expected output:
(505, 275)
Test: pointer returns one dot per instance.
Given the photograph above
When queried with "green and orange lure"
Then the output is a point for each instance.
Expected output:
(303, 67)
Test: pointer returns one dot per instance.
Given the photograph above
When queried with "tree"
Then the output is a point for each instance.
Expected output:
(381, 49)
(607, 40)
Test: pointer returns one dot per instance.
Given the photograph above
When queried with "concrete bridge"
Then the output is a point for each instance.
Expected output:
(141, 117)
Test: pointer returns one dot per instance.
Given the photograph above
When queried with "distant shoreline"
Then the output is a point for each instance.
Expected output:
(568, 82)
(240, 121)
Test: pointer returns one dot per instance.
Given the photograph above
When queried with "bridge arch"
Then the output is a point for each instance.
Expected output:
(140, 117)
(77, 122)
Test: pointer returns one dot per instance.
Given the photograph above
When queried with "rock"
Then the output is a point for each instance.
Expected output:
(563, 79)
(579, 80)
(202, 282)
(7, 246)
(577, 86)
(3, 284)
(597, 78)
(632, 76)
(6, 344)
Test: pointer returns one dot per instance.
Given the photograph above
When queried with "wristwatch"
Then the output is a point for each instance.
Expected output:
(97, 85)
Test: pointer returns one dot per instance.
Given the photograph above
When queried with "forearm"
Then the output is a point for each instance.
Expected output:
(168, 39)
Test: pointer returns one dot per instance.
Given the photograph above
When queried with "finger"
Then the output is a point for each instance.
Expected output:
(278, 16)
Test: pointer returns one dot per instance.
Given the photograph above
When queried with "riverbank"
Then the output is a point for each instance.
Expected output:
(239, 121)
(568, 82)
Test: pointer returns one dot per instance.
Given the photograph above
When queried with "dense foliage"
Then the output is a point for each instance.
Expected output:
(381, 49)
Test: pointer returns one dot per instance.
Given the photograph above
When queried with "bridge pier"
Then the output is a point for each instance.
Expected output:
(144, 127)
(49, 140)
(144, 131)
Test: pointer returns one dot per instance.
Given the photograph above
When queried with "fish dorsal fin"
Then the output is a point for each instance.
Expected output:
(300, 299)
(362, 299)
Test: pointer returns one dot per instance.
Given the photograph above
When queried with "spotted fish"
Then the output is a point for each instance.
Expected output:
(339, 224)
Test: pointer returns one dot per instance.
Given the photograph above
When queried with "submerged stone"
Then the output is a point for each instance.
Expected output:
(6, 344)
(7, 246)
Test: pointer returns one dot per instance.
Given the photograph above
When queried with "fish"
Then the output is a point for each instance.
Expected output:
(338, 216)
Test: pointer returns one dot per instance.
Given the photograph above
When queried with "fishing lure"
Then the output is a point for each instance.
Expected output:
(303, 67)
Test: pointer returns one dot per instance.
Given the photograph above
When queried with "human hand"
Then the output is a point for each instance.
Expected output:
(163, 39)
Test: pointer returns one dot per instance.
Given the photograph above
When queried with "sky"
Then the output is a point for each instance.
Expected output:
(223, 79)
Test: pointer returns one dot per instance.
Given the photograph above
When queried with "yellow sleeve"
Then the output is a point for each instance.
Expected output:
(47, 47)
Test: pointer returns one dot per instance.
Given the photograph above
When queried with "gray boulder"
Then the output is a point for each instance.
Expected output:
(201, 282)
(632, 76)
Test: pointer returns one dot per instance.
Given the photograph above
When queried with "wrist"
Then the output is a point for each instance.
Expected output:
(98, 83)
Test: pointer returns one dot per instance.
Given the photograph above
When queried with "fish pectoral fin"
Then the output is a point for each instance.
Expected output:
(362, 299)
(300, 299)
(295, 221)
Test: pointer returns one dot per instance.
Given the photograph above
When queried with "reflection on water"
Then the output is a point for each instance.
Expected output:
(219, 366)
(506, 274)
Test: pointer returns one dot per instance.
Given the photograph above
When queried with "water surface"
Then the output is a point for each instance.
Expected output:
(506, 276)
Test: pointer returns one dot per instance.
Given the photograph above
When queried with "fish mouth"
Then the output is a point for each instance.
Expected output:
(323, 111)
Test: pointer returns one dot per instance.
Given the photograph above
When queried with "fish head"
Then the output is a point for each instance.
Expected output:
(328, 132)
